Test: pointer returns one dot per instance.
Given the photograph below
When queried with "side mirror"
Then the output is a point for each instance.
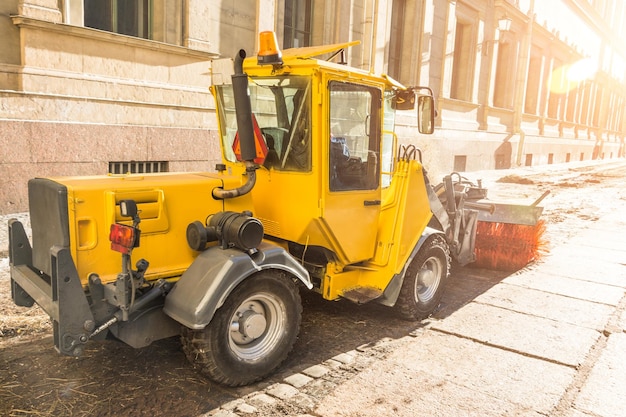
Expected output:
(128, 208)
(426, 114)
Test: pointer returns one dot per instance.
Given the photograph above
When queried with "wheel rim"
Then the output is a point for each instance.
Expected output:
(428, 279)
(257, 326)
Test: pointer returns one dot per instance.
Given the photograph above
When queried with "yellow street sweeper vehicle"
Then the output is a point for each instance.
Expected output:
(313, 192)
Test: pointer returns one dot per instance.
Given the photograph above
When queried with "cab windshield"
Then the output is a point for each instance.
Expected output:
(281, 109)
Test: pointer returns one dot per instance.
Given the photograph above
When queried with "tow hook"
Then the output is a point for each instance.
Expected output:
(161, 288)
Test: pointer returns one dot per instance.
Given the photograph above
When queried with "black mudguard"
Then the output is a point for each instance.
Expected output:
(391, 293)
(204, 286)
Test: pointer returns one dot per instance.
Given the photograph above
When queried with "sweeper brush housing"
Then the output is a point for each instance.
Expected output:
(508, 247)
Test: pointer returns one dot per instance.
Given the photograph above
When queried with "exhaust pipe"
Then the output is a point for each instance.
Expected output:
(243, 110)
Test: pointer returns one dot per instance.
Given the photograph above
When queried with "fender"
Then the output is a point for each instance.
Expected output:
(213, 275)
(390, 295)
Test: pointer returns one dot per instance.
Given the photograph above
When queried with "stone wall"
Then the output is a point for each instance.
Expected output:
(45, 149)
(73, 99)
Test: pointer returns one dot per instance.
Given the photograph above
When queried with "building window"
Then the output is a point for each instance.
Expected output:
(556, 98)
(615, 116)
(529, 160)
(127, 17)
(502, 162)
(396, 39)
(550, 158)
(503, 87)
(572, 103)
(460, 163)
(461, 88)
(597, 107)
(160, 21)
(534, 81)
(297, 24)
(584, 108)
(137, 167)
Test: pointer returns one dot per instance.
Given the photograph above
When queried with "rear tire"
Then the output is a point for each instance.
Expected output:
(251, 334)
(425, 280)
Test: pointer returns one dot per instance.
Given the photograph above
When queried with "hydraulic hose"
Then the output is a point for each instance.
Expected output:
(243, 111)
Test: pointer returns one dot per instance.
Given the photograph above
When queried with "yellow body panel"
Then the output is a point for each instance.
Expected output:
(167, 204)
(404, 216)
(285, 202)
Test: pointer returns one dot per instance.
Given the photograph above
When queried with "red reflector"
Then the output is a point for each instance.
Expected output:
(122, 238)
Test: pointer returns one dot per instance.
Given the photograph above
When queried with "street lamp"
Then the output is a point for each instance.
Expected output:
(504, 24)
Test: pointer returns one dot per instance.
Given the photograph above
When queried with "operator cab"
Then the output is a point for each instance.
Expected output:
(325, 145)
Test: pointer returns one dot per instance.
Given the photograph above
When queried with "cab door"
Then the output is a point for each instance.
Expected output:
(353, 194)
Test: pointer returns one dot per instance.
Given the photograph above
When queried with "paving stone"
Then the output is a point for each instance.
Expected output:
(344, 358)
(245, 409)
(298, 380)
(261, 399)
(572, 412)
(331, 363)
(232, 404)
(536, 336)
(570, 287)
(580, 267)
(319, 388)
(622, 321)
(316, 371)
(603, 392)
(303, 401)
(221, 413)
(282, 391)
(549, 305)
(585, 249)
(600, 238)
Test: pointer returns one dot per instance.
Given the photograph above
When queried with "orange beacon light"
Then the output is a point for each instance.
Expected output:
(268, 49)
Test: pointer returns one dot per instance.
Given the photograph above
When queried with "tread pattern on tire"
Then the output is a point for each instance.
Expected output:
(406, 305)
(202, 347)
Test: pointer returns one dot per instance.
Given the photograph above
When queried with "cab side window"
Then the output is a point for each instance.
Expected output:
(355, 137)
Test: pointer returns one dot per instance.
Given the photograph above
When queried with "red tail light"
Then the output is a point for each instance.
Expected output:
(123, 238)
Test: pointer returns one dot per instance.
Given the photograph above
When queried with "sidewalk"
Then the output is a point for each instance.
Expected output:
(547, 341)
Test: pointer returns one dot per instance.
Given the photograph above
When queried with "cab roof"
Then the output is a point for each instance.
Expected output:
(309, 56)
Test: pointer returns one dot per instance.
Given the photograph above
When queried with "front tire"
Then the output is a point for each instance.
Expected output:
(425, 280)
(251, 334)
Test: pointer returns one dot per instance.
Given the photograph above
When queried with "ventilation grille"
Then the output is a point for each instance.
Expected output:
(137, 167)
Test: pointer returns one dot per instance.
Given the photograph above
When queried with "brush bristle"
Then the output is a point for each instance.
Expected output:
(508, 247)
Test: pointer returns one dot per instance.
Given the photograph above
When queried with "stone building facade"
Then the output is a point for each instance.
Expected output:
(108, 86)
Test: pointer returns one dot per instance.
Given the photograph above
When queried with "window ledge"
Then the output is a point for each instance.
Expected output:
(458, 103)
(111, 37)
